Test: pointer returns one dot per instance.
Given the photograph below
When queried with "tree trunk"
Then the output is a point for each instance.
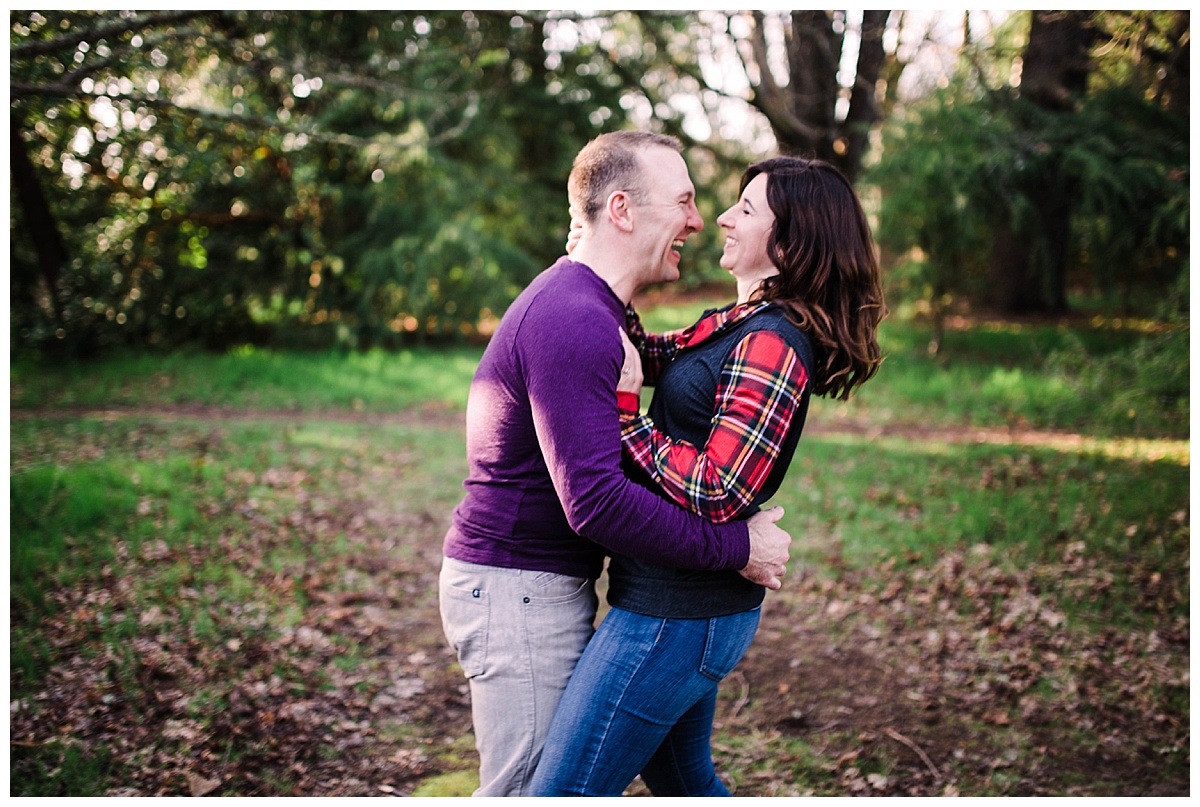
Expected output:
(803, 114)
(864, 98)
(1057, 60)
(1176, 82)
(1029, 258)
(814, 50)
(39, 221)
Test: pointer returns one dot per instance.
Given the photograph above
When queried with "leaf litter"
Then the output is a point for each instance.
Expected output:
(328, 675)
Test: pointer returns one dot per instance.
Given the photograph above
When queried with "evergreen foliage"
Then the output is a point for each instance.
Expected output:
(304, 178)
(970, 160)
(355, 179)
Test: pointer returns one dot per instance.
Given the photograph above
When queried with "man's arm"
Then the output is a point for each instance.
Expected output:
(571, 373)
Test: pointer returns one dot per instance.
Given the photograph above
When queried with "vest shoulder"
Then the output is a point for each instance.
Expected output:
(776, 319)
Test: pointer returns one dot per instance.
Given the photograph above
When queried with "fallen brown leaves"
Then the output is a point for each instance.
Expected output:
(968, 677)
(325, 675)
(299, 652)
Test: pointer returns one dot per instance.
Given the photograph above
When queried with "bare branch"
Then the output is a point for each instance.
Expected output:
(684, 68)
(70, 41)
(758, 46)
(769, 98)
(673, 127)
(900, 738)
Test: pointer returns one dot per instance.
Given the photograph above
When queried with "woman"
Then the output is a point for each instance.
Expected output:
(731, 397)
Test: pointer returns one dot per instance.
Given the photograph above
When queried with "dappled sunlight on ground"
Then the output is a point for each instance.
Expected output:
(1139, 448)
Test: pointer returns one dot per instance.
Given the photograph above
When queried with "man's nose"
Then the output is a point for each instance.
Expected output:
(695, 223)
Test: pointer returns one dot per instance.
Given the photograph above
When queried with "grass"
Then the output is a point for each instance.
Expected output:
(170, 572)
(373, 381)
(70, 770)
(990, 375)
(997, 374)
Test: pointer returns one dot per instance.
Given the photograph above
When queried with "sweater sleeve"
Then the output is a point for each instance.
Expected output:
(571, 373)
(760, 387)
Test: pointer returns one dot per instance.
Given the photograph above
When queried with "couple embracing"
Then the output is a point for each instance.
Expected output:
(564, 469)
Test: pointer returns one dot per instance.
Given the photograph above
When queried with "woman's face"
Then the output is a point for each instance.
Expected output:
(747, 227)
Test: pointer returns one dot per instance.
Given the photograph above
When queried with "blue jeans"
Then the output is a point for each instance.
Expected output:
(641, 700)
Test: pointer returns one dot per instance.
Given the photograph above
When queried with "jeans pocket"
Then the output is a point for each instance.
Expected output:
(729, 637)
(465, 617)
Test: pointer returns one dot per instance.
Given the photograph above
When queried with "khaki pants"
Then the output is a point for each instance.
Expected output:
(518, 635)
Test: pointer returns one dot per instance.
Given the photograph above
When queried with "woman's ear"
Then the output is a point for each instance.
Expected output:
(619, 209)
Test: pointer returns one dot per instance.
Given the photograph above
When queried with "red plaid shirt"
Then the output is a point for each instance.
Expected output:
(760, 388)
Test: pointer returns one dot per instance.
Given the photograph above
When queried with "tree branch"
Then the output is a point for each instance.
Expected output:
(758, 47)
(71, 41)
(470, 112)
(689, 69)
(773, 102)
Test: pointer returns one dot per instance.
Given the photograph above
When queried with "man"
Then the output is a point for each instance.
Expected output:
(545, 495)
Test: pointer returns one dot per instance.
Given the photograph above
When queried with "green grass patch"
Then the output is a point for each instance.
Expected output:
(1090, 377)
(374, 381)
(61, 769)
(856, 502)
(455, 783)
(1100, 376)
(1082, 379)
(60, 522)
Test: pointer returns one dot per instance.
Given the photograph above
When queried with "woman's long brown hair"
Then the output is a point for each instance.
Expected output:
(828, 280)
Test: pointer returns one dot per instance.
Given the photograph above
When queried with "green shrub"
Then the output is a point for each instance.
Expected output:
(1142, 390)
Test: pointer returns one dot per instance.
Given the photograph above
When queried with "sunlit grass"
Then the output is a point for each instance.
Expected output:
(994, 375)
(989, 374)
(372, 381)
(852, 500)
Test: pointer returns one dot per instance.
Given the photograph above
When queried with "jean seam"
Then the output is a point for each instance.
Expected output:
(709, 630)
(587, 781)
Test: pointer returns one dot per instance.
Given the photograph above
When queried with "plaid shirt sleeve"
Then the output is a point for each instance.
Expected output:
(758, 393)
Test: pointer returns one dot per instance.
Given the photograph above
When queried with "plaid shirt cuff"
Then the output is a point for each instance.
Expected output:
(628, 403)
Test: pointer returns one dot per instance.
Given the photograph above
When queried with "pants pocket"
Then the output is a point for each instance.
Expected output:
(557, 589)
(465, 617)
(729, 637)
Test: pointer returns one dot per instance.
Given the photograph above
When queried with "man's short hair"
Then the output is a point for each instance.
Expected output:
(610, 163)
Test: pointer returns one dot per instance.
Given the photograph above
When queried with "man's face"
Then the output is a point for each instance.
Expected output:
(666, 216)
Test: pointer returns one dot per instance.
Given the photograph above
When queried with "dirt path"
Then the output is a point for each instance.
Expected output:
(442, 416)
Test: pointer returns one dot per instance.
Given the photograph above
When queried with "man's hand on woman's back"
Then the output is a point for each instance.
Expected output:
(768, 549)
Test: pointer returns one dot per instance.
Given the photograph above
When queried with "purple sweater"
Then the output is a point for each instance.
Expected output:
(544, 447)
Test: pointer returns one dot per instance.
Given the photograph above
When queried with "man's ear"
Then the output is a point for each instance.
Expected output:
(619, 208)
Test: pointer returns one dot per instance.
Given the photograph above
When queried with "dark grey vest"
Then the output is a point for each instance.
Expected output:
(682, 408)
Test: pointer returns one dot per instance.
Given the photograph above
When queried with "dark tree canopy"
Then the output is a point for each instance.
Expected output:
(359, 178)
(1073, 177)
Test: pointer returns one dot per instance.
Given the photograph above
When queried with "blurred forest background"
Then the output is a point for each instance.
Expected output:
(317, 179)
